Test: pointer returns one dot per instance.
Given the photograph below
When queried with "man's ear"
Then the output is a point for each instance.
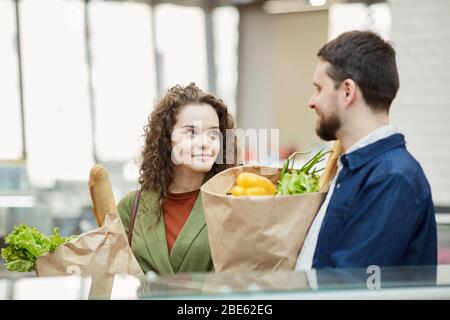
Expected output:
(349, 91)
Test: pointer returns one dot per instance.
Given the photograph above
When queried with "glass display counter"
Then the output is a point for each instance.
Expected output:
(430, 282)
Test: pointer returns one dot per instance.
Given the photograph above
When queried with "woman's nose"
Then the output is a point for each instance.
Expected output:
(202, 141)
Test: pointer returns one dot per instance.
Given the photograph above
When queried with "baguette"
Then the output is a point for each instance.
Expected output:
(331, 167)
(101, 194)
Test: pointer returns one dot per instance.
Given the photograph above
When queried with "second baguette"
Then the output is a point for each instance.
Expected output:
(331, 167)
(101, 193)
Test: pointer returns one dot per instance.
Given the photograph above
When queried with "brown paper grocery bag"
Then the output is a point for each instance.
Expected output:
(104, 250)
(259, 232)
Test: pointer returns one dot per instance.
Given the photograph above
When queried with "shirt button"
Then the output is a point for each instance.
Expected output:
(338, 185)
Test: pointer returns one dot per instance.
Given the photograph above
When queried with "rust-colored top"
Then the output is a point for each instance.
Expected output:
(176, 210)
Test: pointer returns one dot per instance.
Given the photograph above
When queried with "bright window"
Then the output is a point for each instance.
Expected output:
(357, 16)
(181, 44)
(123, 75)
(10, 122)
(57, 114)
(226, 36)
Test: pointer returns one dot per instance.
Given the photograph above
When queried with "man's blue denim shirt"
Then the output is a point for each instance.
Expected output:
(381, 211)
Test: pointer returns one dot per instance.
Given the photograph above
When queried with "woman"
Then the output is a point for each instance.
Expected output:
(187, 140)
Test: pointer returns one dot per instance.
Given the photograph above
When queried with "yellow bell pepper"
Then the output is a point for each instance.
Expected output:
(250, 184)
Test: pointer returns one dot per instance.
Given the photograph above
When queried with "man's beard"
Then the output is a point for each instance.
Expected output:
(328, 127)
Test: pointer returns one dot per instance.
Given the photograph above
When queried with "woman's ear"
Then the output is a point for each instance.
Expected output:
(349, 90)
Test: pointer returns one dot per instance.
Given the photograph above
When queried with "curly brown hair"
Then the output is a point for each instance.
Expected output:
(157, 169)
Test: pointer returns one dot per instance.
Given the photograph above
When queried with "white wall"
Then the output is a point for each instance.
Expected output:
(277, 62)
(420, 32)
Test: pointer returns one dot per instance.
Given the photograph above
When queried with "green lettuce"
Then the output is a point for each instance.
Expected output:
(303, 180)
(25, 244)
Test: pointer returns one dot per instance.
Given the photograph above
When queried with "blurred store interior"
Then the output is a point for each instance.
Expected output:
(78, 79)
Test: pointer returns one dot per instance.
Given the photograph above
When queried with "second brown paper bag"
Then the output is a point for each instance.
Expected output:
(101, 251)
(256, 233)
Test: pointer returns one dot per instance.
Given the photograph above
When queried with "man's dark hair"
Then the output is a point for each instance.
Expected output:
(367, 59)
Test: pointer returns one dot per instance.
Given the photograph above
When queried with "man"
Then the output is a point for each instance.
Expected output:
(379, 209)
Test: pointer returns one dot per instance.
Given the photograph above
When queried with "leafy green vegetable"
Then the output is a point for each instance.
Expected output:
(294, 181)
(26, 244)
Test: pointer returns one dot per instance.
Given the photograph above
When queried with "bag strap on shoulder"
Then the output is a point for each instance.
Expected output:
(134, 208)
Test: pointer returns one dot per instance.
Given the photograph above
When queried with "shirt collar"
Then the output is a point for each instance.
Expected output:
(372, 145)
(377, 134)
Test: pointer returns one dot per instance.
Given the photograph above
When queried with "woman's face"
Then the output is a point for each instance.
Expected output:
(196, 137)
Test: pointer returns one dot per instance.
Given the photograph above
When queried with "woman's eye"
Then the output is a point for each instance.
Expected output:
(215, 134)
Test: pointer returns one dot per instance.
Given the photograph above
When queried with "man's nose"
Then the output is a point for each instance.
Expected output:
(311, 103)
